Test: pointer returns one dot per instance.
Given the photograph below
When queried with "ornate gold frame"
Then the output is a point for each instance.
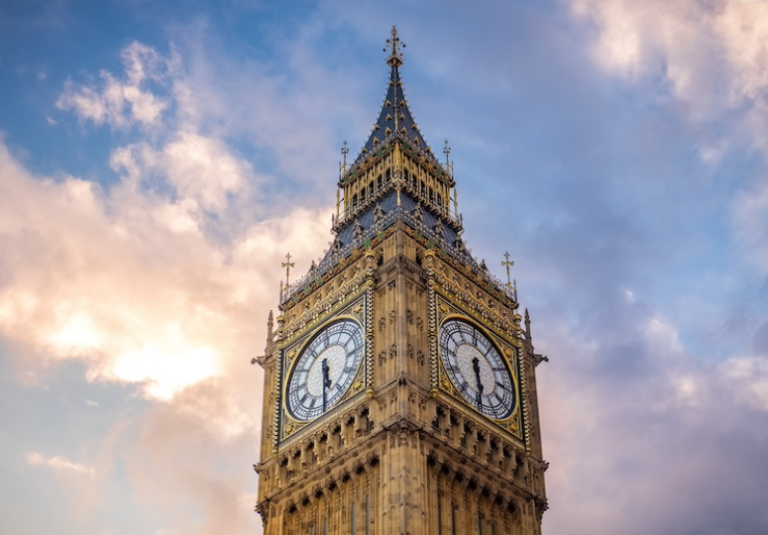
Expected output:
(289, 357)
(509, 352)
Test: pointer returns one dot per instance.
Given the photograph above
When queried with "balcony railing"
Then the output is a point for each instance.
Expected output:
(333, 257)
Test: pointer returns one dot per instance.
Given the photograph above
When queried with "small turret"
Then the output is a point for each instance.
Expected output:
(528, 327)
(270, 327)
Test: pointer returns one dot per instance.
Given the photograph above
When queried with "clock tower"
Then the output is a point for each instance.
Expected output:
(400, 388)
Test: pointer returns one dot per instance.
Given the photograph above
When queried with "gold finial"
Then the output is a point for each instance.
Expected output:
(508, 264)
(447, 152)
(287, 265)
(395, 58)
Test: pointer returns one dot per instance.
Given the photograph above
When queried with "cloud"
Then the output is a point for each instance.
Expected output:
(159, 277)
(174, 464)
(122, 103)
(202, 171)
(138, 280)
(58, 463)
(711, 56)
(653, 437)
(129, 283)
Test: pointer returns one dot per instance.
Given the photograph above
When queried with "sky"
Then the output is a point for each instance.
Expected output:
(159, 159)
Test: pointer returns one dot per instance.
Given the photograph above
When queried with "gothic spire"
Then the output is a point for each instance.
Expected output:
(395, 118)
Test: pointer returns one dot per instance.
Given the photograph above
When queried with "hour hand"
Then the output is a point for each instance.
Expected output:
(326, 376)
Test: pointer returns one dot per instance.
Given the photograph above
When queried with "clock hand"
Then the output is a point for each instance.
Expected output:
(326, 379)
(476, 367)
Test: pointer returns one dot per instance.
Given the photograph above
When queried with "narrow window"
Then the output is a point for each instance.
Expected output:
(439, 514)
(312, 529)
(453, 519)
(352, 517)
(368, 515)
(325, 527)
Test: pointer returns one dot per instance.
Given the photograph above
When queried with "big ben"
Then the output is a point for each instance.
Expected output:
(400, 389)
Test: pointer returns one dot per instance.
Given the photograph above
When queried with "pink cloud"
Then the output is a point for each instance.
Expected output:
(58, 463)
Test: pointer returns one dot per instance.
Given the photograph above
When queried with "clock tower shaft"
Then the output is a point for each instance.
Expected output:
(405, 449)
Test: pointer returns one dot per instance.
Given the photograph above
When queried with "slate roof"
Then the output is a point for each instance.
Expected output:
(395, 115)
(388, 203)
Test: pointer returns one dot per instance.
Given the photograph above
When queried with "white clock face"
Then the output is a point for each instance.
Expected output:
(325, 369)
(476, 369)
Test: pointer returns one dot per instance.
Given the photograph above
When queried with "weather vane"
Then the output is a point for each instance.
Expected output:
(396, 56)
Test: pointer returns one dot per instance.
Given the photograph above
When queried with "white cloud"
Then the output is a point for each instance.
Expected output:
(713, 57)
(104, 277)
(163, 279)
(122, 103)
(130, 280)
(58, 463)
(202, 170)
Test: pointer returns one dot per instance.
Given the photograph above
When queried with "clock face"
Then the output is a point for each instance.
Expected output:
(325, 369)
(476, 369)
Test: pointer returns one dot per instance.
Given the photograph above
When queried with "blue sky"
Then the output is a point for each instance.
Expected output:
(157, 161)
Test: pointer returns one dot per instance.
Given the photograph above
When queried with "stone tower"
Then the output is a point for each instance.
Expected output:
(400, 388)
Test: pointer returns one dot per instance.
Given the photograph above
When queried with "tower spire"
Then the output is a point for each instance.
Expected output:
(395, 119)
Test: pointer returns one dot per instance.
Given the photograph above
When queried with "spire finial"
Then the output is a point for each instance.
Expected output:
(344, 152)
(395, 58)
(287, 265)
(447, 152)
(508, 264)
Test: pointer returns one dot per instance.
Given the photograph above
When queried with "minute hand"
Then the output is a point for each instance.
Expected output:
(476, 367)
(326, 380)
